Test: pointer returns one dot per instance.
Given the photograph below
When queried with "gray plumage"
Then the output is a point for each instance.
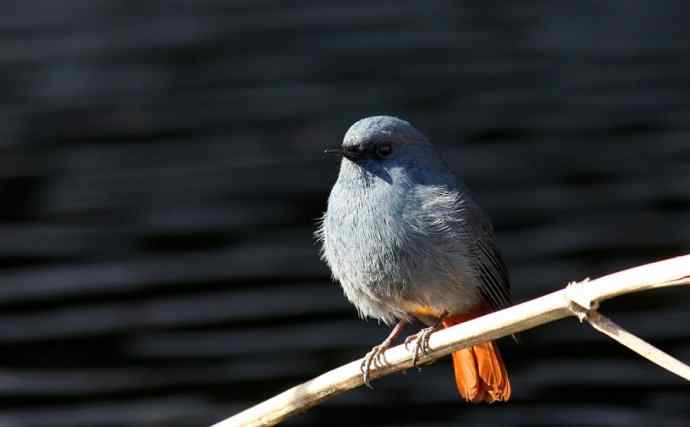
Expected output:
(401, 231)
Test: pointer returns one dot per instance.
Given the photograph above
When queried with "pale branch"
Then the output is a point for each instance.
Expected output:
(579, 299)
(610, 328)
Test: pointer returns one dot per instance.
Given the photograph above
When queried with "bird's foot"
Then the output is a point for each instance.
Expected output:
(420, 340)
(420, 343)
(372, 359)
(375, 356)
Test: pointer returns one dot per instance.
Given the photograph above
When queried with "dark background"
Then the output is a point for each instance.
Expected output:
(161, 174)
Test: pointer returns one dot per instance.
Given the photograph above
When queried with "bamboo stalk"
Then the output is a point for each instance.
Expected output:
(577, 299)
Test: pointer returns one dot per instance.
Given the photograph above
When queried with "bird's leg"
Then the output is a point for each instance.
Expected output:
(421, 339)
(377, 351)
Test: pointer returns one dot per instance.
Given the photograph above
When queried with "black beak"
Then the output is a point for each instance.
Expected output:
(351, 152)
(337, 151)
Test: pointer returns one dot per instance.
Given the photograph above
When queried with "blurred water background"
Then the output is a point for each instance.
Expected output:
(161, 173)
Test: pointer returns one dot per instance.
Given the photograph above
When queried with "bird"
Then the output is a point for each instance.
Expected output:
(407, 241)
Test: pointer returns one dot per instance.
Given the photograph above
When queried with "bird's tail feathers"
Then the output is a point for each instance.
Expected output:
(480, 374)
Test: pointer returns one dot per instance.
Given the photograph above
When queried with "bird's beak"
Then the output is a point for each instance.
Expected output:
(337, 151)
(350, 152)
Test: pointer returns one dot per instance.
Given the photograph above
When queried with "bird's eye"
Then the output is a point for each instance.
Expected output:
(384, 150)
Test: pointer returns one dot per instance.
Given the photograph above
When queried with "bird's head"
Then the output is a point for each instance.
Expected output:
(383, 146)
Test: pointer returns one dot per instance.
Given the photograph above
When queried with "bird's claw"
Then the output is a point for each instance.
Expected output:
(421, 343)
(372, 359)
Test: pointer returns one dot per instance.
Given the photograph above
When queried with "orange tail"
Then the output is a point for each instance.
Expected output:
(480, 374)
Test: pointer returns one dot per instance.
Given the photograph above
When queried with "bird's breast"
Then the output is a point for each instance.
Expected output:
(394, 247)
(365, 238)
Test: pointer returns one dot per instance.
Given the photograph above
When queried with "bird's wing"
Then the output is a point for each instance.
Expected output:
(495, 283)
(488, 263)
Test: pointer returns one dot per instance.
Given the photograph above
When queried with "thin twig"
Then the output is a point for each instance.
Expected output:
(577, 299)
(609, 328)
